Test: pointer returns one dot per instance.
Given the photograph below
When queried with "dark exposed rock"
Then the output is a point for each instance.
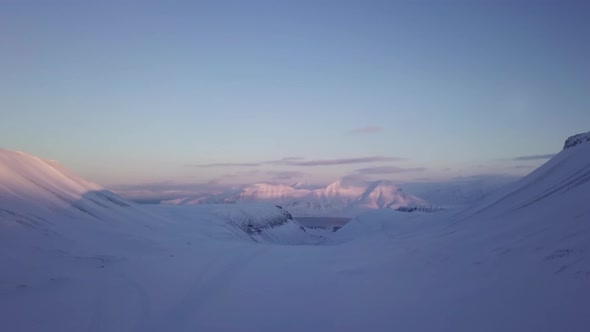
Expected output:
(420, 208)
(576, 139)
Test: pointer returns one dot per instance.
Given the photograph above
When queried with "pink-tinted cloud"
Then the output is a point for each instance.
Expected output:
(242, 174)
(342, 161)
(366, 130)
(225, 165)
(292, 158)
(535, 157)
(389, 170)
(284, 161)
(298, 161)
(285, 175)
(158, 191)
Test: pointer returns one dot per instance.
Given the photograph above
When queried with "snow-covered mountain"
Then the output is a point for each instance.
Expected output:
(459, 192)
(514, 256)
(518, 260)
(385, 195)
(576, 139)
(559, 186)
(30, 184)
(41, 201)
(344, 197)
(45, 208)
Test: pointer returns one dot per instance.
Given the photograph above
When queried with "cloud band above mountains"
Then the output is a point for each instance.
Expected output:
(388, 170)
(301, 162)
(534, 157)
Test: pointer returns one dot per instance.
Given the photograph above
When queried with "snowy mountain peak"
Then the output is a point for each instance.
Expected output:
(577, 139)
(384, 194)
(265, 191)
(345, 187)
(36, 192)
(304, 185)
(24, 176)
(344, 197)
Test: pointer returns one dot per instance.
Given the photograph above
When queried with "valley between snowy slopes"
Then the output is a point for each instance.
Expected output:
(75, 257)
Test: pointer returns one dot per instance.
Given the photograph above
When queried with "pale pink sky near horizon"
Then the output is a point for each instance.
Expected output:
(238, 92)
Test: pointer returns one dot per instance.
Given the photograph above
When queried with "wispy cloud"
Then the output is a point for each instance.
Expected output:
(366, 130)
(242, 174)
(492, 177)
(292, 158)
(423, 179)
(283, 161)
(534, 157)
(522, 166)
(158, 191)
(389, 170)
(343, 161)
(354, 177)
(301, 162)
(225, 165)
(285, 175)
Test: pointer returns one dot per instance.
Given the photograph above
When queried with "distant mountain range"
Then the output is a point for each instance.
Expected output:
(345, 197)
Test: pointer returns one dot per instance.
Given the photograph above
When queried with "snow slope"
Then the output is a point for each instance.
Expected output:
(516, 261)
(345, 197)
(458, 192)
(40, 199)
(25, 178)
(263, 223)
(43, 205)
(385, 195)
(564, 179)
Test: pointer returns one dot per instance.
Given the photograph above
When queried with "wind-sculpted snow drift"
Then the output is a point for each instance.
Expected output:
(518, 260)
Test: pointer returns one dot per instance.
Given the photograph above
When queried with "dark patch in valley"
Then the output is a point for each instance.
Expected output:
(322, 222)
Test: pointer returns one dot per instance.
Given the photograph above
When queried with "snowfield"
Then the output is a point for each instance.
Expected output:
(76, 257)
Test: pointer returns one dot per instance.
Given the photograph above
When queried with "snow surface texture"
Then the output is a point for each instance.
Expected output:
(263, 223)
(518, 260)
(459, 192)
(343, 198)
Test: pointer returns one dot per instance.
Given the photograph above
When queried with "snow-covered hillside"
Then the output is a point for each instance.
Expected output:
(41, 199)
(563, 181)
(516, 261)
(519, 260)
(576, 139)
(263, 223)
(43, 205)
(458, 192)
(344, 197)
(385, 195)
(25, 179)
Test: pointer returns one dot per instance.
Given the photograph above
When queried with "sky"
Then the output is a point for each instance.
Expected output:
(220, 92)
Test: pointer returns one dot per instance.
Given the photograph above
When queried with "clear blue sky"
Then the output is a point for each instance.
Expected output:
(148, 91)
